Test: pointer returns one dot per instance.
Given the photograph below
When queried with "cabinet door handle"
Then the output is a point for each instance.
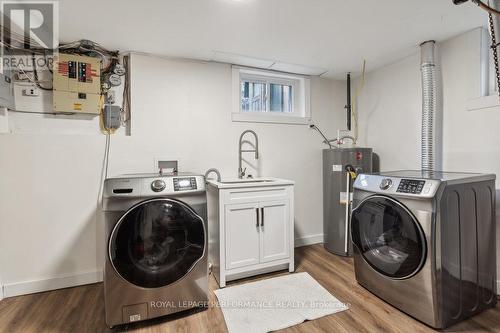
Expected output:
(257, 216)
(262, 217)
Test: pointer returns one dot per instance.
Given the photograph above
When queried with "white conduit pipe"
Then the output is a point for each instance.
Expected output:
(429, 106)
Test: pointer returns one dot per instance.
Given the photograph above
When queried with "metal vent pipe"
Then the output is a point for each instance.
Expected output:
(430, 117)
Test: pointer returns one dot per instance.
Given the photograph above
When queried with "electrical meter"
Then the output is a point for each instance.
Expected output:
(77, 84)
(119, 69)
(114, 80)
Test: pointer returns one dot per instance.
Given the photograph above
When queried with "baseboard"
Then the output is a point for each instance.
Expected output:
(309, 240)
(64, 281)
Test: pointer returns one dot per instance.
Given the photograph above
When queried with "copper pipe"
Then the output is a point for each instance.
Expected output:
(486, 7)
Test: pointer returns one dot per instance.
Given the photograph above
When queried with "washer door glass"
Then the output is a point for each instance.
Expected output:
(156, 243)
(388, 237)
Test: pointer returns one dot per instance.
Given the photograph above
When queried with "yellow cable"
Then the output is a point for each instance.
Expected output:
(354, 101)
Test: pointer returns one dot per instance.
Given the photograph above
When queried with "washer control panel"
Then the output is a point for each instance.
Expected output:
(385, 184)
(413, 186)
(158, 185)
(185, 184)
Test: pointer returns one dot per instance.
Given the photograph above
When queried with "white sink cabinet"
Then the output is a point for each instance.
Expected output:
(250, 227)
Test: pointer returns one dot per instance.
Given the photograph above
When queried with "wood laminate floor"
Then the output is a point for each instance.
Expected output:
(81, 309)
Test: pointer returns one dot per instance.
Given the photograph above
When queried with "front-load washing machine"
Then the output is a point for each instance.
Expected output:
(156, 246)
(425, 242)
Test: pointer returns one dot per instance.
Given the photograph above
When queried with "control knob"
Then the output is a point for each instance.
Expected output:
(385, 184)
(158, 185)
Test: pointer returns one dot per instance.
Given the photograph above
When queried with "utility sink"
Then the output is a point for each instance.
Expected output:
(247, 181)
(250, 227)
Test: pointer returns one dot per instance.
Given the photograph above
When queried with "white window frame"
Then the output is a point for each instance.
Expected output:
(488, 94)
(300, 100)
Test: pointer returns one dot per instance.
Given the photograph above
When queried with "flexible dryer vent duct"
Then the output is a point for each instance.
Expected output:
(430, 116)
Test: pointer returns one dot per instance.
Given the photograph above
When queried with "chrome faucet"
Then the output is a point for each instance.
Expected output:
(209, 171)
(241, 171)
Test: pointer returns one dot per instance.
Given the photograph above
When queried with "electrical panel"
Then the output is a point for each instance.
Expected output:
(77, 84)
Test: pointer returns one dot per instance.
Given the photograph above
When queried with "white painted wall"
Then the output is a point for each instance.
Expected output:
(390, 113)
(194, 101)
(51, 232)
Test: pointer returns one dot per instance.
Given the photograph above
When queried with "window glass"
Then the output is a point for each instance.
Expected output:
(280, 98)
(253, 96)
(269, 96)
(266, 97)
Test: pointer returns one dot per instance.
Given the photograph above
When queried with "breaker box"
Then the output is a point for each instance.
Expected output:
(77, 84)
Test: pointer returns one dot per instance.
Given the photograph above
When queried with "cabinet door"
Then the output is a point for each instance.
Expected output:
(242, 235)
(274, 230)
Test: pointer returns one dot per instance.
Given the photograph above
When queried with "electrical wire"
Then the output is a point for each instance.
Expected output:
(47, 63)
(43, 113)
(35, 73)
(26, 74)
(83, 43)
(327, 142)
(486, 7)
(104, 173)
(102, 55)
(19, 39)
(126, 92)
(355, 100)
(87, 46)
(108, 143)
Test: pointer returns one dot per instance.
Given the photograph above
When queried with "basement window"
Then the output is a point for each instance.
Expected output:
(267, 96)
(488, 97)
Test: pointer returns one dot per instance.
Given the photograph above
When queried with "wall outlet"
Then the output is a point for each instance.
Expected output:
(32, 92)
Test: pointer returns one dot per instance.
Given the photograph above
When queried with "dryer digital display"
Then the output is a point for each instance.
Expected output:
(185, 184)
(413, 186)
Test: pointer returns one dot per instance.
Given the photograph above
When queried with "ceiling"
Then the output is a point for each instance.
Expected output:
(313, 36)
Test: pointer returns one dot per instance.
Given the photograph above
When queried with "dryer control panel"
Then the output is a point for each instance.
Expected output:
(150, 185)
(402, 187)
(413, 186)
(185, 184)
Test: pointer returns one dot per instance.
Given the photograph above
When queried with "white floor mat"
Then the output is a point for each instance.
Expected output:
(275, 303)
